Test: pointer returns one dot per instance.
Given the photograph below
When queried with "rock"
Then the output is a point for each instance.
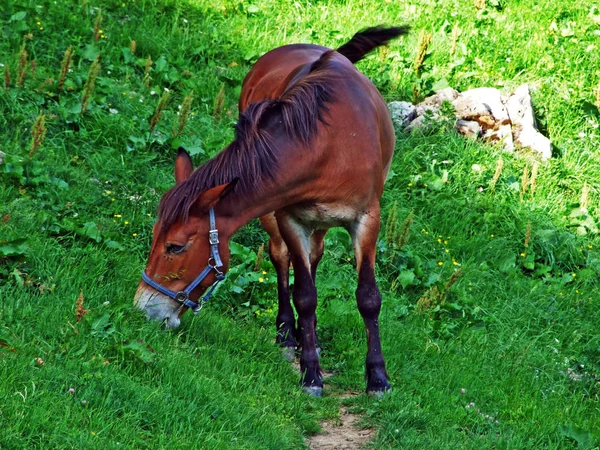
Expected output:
(519, 107)
(402, 113)
(486, 103)
(446, 94)
(2, 155)
(434, 102)
(424, 119)
(503, 135)
(469, 128)
(520, 111)
(536, 141)
(481, 112)
(485, 106)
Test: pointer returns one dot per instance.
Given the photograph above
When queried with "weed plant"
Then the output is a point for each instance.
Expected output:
(488, 262)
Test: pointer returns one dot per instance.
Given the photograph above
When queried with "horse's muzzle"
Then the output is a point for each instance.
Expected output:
(157, 306)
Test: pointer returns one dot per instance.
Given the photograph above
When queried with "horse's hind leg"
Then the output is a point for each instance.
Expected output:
(280, 257)
(297, 238)
(317, 247)
(364, 236)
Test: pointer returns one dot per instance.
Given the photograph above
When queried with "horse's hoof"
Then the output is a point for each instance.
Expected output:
(289, 353)
(314, 391)
(378, 393)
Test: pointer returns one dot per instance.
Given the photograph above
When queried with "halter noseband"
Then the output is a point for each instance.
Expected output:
(183, 297)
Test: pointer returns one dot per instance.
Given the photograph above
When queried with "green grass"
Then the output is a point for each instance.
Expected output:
(519, 334)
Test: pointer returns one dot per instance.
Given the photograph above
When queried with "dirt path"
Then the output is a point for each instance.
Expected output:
(341, 434)
(338, 434)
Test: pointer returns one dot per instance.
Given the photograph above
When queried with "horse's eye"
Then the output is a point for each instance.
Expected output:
(174, 249)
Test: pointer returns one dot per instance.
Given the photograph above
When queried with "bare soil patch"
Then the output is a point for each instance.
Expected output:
(341, 434)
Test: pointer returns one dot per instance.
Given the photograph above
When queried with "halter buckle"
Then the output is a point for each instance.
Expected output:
(197, 309)
(213, 237)
(181, 296)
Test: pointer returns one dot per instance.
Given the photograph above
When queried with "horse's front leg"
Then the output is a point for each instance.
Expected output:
(364, 236)
(297, 238)
(280, 258)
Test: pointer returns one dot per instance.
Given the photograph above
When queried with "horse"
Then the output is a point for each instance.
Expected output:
(312, 149)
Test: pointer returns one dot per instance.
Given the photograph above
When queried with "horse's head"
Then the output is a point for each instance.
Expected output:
(186, 258)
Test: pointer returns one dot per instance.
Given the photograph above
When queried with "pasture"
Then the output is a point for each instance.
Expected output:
(488, 262)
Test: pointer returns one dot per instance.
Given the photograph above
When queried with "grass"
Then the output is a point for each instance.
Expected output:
(508, 356)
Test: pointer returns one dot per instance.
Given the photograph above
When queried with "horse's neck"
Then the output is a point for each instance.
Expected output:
(268, 197)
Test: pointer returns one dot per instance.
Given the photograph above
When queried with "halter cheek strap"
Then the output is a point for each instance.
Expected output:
(214, 262)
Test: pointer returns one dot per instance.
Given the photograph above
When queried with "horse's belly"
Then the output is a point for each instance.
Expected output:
(320, 216)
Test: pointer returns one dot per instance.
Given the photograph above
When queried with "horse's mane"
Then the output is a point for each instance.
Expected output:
(252, 156)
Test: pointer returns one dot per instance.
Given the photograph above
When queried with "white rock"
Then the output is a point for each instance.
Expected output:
(402, 113)
(481, 102)
(481, 112)
(536, 141)
(519, 107)
(447, 94)
(524, 129)
(2, 155)
(468, 128)
(424, 120)
(503, 135)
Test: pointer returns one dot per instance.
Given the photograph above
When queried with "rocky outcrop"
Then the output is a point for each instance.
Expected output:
(483, 113)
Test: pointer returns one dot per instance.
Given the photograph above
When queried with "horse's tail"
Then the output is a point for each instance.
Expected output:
(369, 39)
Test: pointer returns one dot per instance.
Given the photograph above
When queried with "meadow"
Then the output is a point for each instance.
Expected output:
(488, 262)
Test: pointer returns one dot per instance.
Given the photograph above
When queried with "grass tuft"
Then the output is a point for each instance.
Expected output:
(22, 66)
(183, 115)
(160, 107)
(90, 84)
(64, 68)
(38, 133)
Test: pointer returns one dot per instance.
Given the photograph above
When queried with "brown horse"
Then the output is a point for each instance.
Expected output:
(312, 150)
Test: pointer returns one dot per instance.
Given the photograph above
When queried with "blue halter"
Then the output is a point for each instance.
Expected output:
(183, 297)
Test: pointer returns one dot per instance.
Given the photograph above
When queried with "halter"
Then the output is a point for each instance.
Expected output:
(183, 297)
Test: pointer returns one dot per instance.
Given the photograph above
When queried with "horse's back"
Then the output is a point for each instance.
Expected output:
(270, 75)
(357, 141)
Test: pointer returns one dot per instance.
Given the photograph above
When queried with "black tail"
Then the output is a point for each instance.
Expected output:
(369, 39)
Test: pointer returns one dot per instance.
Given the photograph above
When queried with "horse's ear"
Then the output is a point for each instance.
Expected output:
(183, 165)
(209, 198)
